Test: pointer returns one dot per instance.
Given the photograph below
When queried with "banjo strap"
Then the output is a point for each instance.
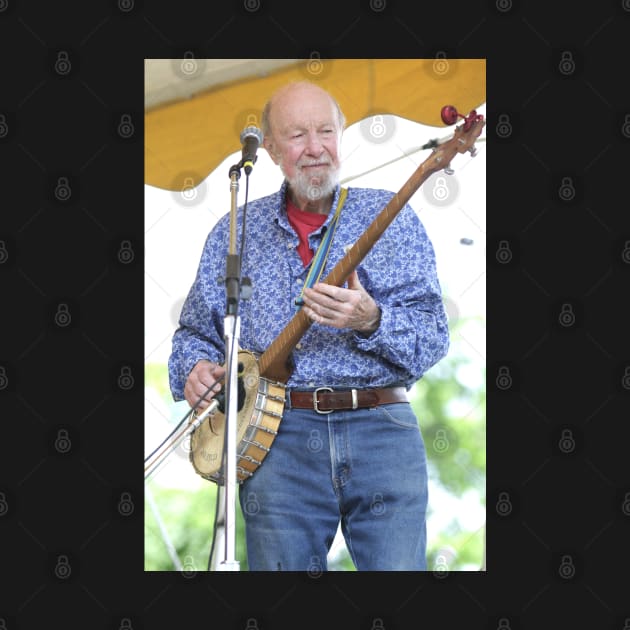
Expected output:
(319, 259)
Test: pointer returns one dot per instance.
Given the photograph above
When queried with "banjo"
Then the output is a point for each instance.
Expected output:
(264, 377)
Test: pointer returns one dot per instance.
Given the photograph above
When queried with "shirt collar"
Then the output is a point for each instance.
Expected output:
(281, 208)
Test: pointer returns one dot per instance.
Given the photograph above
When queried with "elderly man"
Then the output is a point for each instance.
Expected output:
(361, 465)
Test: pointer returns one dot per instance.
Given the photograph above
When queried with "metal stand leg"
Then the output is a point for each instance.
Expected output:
(232, 326)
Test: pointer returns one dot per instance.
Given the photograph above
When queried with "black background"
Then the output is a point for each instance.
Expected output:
(72, 315)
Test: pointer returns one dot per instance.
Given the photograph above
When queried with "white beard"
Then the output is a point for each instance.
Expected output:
(314, 187)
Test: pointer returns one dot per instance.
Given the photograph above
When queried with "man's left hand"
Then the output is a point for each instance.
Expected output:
(342, 308)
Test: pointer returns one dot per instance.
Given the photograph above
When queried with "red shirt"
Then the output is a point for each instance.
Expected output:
(304, 223)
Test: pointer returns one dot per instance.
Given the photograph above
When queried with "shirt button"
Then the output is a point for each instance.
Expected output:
(299, 280)
(298, 346)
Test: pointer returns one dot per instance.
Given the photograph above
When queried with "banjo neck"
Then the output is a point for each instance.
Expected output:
(274, 362)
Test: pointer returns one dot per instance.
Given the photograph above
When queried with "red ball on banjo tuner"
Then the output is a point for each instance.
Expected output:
(449, 115)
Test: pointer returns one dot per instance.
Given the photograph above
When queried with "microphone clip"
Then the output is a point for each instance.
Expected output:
(235, 170)
(246, 163)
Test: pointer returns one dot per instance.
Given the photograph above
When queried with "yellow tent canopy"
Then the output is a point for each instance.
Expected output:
(195, 109)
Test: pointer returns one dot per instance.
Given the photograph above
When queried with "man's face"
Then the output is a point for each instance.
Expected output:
(305, 141)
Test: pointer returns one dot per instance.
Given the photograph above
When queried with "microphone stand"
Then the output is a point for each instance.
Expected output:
(232, 326)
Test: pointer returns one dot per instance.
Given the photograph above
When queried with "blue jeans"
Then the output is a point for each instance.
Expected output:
(364, 467)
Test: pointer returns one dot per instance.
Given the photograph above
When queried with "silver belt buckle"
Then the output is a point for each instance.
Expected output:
(315, 401)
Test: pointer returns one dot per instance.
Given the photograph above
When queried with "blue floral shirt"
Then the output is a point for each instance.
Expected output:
(399, 272)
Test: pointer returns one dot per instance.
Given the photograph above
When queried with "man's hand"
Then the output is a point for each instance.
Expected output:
(342, 308)
(202, 376)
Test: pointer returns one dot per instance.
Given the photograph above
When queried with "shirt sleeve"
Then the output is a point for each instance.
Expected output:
(413, 331)
(200, 331)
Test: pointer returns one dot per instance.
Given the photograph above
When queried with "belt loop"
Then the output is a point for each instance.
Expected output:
(355, 399)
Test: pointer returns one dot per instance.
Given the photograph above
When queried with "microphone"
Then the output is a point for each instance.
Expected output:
(251, 138)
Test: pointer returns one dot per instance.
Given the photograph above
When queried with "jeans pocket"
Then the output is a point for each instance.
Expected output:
(399, 414)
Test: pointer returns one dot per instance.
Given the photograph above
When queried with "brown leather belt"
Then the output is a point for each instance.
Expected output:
(327, 400)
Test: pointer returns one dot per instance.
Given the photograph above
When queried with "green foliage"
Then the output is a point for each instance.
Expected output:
(449, 402)
(452, 420)
(156, 377)
(458, 549)
(188, 518)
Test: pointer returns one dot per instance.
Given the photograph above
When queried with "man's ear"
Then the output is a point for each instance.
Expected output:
(271, 149)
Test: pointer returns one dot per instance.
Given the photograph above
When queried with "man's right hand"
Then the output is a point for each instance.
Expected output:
(202, 376)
